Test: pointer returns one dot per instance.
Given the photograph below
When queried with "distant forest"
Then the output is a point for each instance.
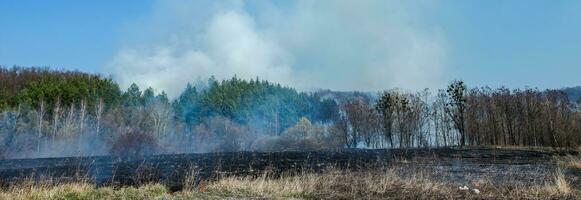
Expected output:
(51, 113)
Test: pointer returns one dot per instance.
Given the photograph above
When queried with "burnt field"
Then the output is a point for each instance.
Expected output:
(456, 165)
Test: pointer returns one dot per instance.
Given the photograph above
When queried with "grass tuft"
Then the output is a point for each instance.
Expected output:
(561, 183)
(573, 162)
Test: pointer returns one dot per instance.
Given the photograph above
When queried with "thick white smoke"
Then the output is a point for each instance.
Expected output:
(343, 45)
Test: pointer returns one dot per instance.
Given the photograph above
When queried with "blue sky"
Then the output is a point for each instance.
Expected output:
(421, 43)
(66, 34)
(515, 43)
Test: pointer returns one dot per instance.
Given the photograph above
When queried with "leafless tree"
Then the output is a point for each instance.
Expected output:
(456, 108)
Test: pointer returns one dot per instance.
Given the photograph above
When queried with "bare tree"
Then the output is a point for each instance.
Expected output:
(82, 110)
(456, 108)
(68, 124)
(386, 107)
(56, 117)
(358, 114)
(98, 114)
(40, 118)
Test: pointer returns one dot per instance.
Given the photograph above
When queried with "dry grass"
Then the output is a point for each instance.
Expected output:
(77, 188)
(561, 183)
(572, 162)
(331, 184)
(387, 184)
(83, 191)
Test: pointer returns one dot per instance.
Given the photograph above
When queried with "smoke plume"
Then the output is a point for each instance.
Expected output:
(341, 45)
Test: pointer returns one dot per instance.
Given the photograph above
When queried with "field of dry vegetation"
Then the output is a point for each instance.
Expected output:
(332, 183)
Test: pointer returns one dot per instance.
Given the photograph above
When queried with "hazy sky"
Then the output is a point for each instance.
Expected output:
(342, 45)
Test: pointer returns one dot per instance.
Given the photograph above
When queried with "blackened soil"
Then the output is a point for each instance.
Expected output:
(448, 164)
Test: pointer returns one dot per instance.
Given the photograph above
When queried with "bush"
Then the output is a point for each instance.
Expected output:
(134, 144)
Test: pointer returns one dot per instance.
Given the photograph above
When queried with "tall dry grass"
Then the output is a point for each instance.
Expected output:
(330, 184)
(561, 182)
(572, 162)
(386, 184)
(83, 191)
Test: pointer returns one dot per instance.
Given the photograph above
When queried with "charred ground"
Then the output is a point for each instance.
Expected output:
(456, 165)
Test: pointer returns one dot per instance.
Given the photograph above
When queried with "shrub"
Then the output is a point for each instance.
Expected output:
(134, 144)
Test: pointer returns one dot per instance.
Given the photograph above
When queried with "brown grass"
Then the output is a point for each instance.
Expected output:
(569, 162)
(331, 184)
(561, 183)
(83, 191)
(335, 184)
(572, 162)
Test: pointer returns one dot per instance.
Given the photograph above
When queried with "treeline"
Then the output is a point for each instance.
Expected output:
(36, 86)
(256, 102)
(54, 113)
(459, 116)
(574, 93)
(67, 113)
(522, 118)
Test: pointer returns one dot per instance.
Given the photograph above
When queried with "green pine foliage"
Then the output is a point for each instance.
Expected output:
(262, 103)
(33, 86)
(247, 101)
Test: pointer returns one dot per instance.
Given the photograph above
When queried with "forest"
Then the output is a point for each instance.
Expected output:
(56, 113)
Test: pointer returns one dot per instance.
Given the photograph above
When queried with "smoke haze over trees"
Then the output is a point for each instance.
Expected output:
(298, 43)
(52, 113)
